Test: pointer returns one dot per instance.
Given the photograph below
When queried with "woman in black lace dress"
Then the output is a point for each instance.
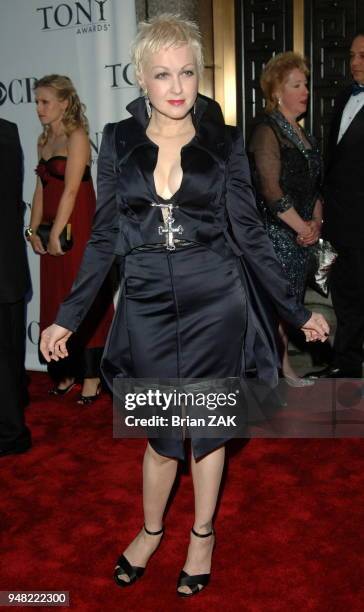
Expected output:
(286, 166)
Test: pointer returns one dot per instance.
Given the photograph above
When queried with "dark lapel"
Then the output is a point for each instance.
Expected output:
(210, 134)
(356, 126)
(131, 139)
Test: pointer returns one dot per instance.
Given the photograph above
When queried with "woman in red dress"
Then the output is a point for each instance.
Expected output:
(64, 196)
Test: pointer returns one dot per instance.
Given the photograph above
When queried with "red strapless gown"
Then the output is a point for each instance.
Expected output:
(58, 273)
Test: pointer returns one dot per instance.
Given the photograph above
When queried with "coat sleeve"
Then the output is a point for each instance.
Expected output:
(99, 254)
(266, 158)
(248, 232)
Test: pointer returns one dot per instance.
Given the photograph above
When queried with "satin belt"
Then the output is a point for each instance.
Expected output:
(179, 244)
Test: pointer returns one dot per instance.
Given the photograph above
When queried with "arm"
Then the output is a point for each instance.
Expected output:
(259, 256)
(265, 149)
(37, 215)
(315, 225)
(78, 154)
(317, 212)
(97, 259)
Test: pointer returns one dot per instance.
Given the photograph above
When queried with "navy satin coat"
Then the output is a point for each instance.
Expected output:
(216, 208)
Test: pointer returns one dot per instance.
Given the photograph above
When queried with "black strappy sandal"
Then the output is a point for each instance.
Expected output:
(192, 582)
(132, 571)
(58, 391)
(86, 400)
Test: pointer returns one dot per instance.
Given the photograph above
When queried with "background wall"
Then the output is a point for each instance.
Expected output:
(88, 40)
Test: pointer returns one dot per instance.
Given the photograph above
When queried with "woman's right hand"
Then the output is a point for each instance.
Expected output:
(36, 244)
(53, 342)
(312, 237)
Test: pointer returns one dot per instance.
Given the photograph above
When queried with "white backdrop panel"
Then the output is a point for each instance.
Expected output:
(87, 40)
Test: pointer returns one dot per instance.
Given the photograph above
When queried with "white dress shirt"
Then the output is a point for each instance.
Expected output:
(353, 106)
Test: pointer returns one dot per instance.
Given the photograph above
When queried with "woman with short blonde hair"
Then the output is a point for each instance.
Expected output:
(165, 31)
(177, 206)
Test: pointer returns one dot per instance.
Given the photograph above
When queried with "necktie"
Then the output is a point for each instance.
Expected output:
(356, 89)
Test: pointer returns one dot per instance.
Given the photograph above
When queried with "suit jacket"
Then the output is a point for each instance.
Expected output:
(216, 208)
(14, 280)
(344, 179)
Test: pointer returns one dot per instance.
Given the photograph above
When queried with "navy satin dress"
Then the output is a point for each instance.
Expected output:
(203, 310)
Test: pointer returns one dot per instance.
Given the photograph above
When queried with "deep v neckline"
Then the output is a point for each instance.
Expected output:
(291, 133)
(173, 196)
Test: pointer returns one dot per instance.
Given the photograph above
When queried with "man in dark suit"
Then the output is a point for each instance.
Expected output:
(344, 220)
(14, 283)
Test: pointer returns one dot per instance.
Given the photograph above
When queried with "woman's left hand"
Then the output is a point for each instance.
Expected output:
(316, 328)
(54, 245)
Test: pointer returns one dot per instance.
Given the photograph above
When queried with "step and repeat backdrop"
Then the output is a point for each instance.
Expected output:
(87, 40)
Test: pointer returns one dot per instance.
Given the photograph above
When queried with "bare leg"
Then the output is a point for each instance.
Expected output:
(288, 372)
(65, 383)
(159, 473)
(90, 386)
(287, 369)
(206, 474)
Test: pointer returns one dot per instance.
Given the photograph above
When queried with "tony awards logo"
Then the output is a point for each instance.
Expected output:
(95, 141)
(121, 75)
(17, 91)
(85, 16)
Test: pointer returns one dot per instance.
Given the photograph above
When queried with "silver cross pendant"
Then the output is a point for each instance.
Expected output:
(168, 230)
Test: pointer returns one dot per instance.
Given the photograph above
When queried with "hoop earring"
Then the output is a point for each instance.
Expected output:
(148, 106)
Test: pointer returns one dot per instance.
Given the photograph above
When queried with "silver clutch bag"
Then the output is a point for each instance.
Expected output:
(323, 256)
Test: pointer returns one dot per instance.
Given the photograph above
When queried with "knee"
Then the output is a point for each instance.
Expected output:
(156, 457)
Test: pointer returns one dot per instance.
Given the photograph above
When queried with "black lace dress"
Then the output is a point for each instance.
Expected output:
(286, 172)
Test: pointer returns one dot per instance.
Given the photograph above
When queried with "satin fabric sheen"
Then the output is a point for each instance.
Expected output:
(204, 311)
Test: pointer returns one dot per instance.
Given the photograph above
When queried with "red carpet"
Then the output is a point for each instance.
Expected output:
(289, 527)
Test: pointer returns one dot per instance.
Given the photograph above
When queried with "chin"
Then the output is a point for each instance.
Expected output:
(177, 112)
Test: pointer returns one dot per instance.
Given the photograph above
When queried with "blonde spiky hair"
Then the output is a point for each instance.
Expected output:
(165, 30)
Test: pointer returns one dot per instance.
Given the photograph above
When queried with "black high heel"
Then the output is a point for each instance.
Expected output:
(132, 571)
(89, 399)
(58, 391)
(192, 582)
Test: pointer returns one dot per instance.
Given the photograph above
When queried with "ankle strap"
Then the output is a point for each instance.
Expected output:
(153, 532)
(202, 535)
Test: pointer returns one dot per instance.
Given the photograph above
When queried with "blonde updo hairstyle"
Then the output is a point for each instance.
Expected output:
(164, 31)
(74, 115)
(276, 72)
